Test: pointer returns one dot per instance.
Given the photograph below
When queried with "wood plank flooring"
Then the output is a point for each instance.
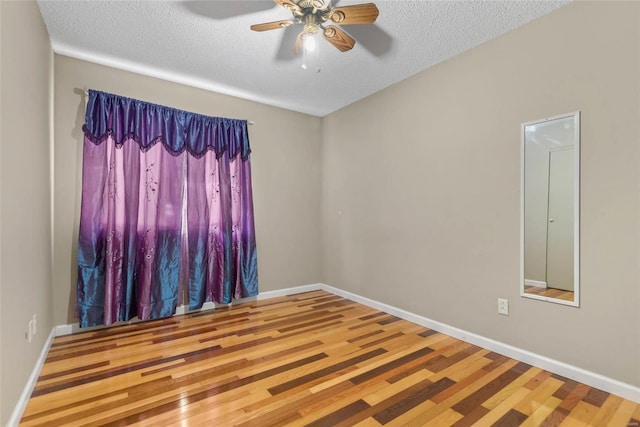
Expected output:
(549, 292)
(312, 359)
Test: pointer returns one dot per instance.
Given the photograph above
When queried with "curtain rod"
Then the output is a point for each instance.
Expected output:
(86, 99)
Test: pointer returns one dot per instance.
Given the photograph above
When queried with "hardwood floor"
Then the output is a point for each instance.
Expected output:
(312, 359)
(549, 292)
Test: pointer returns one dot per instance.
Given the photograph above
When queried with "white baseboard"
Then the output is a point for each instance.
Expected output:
(589, 378)
(18, 410)
(73, 328)
(291, 291)
(183, 309)
(535, 283)
(592, 379)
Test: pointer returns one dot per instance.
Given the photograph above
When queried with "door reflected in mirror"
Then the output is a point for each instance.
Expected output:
(550, 209)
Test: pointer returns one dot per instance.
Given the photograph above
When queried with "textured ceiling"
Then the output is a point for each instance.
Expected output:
(209, 44)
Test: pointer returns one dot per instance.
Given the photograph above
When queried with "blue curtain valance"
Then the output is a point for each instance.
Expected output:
(125, 118)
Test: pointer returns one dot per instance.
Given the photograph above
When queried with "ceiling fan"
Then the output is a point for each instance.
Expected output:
(314, 14)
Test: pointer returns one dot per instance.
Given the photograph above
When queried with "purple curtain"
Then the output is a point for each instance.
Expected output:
(220, 228)
(136, 158)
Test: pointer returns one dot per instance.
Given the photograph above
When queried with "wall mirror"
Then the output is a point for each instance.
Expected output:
(550, 208)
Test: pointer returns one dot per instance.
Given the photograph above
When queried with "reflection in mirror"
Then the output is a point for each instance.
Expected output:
(550, 209)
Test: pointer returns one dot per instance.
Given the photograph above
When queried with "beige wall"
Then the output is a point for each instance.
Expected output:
(425, 175)
(286, 172)
(25, 214)
(427, 172)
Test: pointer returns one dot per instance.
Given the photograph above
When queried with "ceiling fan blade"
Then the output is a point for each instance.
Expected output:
(356, 14)
(288, 4)
(372, 38)
(223, 9)
(338, 38)
(297, 48)
(286, 50)
(275, 25)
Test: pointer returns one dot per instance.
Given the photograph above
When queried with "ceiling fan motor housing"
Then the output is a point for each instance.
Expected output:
(311, 12)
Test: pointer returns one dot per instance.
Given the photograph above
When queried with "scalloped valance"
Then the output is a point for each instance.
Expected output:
(148, 124)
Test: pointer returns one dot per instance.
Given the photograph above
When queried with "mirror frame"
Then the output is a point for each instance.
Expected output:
(576, 210)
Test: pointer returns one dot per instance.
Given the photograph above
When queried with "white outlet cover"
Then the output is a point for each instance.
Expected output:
(503, 306)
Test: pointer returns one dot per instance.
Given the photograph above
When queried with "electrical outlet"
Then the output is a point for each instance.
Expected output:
(503, 306)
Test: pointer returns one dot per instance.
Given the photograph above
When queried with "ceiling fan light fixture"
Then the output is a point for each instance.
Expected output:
(310, 47)
(309, 42)
(308, 37)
